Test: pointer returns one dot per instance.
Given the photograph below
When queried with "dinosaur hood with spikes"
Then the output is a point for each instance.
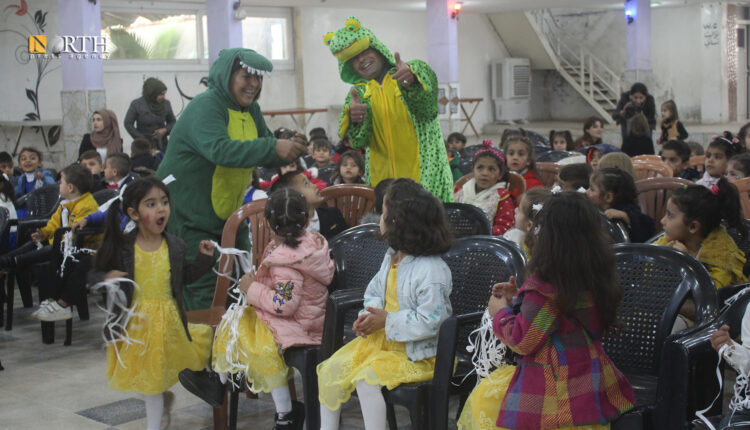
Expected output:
(221, 71)
(350, 41)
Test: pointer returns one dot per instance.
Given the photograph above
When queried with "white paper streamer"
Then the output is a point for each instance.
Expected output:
(488, 351)
(116, 299)
(230, 321)
(741, 398)
(69, 251)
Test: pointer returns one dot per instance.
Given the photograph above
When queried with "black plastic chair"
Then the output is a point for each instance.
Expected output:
(41, 204)
(465, 166)
(656, 280)
(467, 220)
(554, 156)
(616, 230)
(266, 173)
(6, 296)
(742, 243)
(104, 195)
(308, 159)
(358, 253)
(697, 347)
(476, 263)
(469, 151)
(326, 173)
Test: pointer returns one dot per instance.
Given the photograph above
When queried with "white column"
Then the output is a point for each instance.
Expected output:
(638, 40)
(442, 50)
(224, 31)
(442, 40)
(83, 78)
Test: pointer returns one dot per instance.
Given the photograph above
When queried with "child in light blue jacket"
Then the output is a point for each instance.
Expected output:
(405, 303)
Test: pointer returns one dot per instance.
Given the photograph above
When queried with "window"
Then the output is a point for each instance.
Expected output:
(151, 36)
(141, 37)
(268, 31)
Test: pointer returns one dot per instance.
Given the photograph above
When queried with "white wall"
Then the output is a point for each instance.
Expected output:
(17, 77)
(478, 48)
(685, 68)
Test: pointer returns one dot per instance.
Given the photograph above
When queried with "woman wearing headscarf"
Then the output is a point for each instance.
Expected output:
(153, 114)
(104, 136)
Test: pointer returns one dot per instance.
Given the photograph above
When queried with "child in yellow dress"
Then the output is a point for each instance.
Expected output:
(692, 224)
(287, 299)
(160, 342)
(405, 303)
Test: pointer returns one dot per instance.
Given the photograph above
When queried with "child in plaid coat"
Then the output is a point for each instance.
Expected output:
(556, 321)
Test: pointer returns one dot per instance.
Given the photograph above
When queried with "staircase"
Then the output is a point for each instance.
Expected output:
(593, 80)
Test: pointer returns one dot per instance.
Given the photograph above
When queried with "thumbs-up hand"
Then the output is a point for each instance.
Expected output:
(403, 74)
(357, 109)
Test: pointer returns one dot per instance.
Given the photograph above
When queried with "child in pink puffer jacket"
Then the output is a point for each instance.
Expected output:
(287, 301)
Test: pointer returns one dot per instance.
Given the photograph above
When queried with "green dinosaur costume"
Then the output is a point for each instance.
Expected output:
(212, 150)
(401, 130)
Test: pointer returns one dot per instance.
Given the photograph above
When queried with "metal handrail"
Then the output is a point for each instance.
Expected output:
(578, 58)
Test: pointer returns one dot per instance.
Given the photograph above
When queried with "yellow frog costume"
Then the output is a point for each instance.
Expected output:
(401, 129)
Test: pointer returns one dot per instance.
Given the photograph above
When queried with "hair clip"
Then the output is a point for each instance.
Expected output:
(537, 207)
(581, 190)
(536, 230)
(273, 211)
(556, 189)
(488, 149)
(714, 189)
(299, 225)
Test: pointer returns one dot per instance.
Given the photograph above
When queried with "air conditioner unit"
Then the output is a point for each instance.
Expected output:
(511, 89)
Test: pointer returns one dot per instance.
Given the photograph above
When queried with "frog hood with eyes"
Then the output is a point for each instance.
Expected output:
(349, 42)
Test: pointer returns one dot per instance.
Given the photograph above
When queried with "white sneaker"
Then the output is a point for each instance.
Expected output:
(42, 305)
(54, 312)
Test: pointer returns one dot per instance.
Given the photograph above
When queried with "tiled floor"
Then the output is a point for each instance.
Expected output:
(64, 387)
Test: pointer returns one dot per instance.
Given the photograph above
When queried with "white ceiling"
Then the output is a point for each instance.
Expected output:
(476, 6)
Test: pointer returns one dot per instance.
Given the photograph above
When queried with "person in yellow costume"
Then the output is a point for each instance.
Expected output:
(148, 336)
(391, 111)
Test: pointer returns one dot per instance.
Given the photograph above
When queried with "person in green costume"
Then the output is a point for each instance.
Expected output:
(392, 111)
(212, 150)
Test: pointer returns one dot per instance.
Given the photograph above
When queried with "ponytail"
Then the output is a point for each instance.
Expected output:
(730, 207)
(108, 255)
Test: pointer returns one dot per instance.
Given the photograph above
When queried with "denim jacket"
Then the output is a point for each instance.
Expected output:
(423, 291)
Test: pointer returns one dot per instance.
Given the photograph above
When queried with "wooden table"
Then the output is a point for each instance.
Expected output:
(23, 124)
(295, 111)
(467, 116)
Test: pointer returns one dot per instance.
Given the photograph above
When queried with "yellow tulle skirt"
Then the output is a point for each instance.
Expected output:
(152, 367)
(373, 359)
(483, 405)
(256, 354)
